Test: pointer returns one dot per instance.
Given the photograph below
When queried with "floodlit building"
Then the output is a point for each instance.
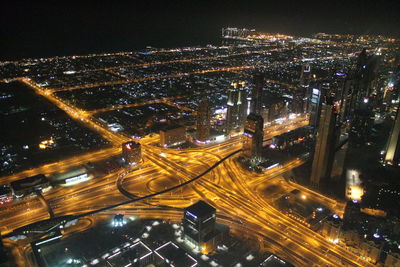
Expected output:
(131, 152)
(331, 228)
(237, 107)
(172, 135)
(392, 156)
(231, 32)
(253, 137)
(354, 188)
(72, 176)
(199, 227)
(203, 121)
(314, 106)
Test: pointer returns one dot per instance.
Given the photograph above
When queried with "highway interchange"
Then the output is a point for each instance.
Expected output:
(234, 191)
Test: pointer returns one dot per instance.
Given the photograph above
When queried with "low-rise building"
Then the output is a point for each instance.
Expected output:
(392, 260)
(371, 250)
(131, 153)
(351, 237)
(172, 135)
(331, 228)
(29, 185)
(72, 176)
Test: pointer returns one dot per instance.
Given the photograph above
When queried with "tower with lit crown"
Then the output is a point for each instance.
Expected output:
(305, 75)
(236, 107)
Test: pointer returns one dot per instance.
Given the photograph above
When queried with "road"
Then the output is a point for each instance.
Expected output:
(228, 187)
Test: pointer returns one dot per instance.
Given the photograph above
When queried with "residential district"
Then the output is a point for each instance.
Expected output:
(267, 150)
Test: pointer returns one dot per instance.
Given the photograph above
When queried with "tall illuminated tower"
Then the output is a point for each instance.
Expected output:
(314, 105)
(253, 137)
(236, 107)
(256, 93)
(203, 121)
(392, 156)
(325, 145)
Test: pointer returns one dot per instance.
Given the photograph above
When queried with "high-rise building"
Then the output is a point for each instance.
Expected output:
(325, 145)
(305, 75)
(199, 221)
(299, 103)
(253, 137)
(231, 32)
(392, 156)
(361, 106)
(314, 106)
(131, 152)
(346, 100)
(362, 121)
(236, 107)
(365, 74)
(339, 158)
(203, 121)
(257, 93)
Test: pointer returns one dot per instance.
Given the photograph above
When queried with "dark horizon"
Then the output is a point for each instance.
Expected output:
(34, 31)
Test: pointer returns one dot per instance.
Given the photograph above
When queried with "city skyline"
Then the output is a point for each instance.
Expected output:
(84, 28)
(257, 149)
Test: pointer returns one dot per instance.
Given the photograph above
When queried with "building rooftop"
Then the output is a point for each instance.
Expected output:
(70, 173)
(171, 127)
(29, 182)
(131, 144)
(274, 261)
(175, 255)
(200, 208)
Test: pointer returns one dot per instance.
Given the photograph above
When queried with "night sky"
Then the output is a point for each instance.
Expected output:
(43, 30)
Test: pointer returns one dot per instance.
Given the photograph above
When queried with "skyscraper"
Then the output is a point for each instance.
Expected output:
(131, 152)
(203, 121)
(236, 107)
(305, 75)
(325, 145)
(314, 106)
(253, 137)
(346, 100)
(364, 74)
(392, 156)
(362, 121)
(256, 93)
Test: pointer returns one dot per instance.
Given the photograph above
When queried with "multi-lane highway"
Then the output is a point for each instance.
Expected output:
(228, 187)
